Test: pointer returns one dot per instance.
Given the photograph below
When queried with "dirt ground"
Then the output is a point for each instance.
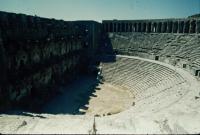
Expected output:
(109, 100)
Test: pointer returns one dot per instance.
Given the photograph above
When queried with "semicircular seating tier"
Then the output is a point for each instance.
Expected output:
(152, 84)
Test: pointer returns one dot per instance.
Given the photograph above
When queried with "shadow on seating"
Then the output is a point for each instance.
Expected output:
(71, 99)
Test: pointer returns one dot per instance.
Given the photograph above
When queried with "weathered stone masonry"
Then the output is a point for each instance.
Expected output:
(37, 54)
(154, 26)
(174, 41)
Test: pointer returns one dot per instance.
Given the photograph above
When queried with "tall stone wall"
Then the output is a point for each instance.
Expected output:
(153, 26)
(38, 54)
(92, 33)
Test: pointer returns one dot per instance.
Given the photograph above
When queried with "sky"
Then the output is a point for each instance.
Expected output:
(99, 10)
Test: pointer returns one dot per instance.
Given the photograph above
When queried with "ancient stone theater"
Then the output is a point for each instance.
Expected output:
(118, 76)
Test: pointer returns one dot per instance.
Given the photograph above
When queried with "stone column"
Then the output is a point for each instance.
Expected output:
(120, 26)
(113, 27)
(139, 27)
(175, 27)
(129, 27)
(159, 24)
(152, 27)
(198, 26)
(192, 26)
(164, 27)
(142, 27)
(145, 26)
(149, 27)
(108, 27)
(180, 26)
(186, 26)
(123, 27)
(146, 30)
(116, 24)
(133, 25)
(136, 27)
(126, 27)
(169, 27)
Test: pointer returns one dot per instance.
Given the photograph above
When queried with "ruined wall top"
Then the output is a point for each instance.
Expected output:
(172, 25)
(151, 20)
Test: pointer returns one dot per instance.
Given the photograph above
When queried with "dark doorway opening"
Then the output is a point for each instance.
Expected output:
(184, 65)
(197, 72)
(157, 58)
